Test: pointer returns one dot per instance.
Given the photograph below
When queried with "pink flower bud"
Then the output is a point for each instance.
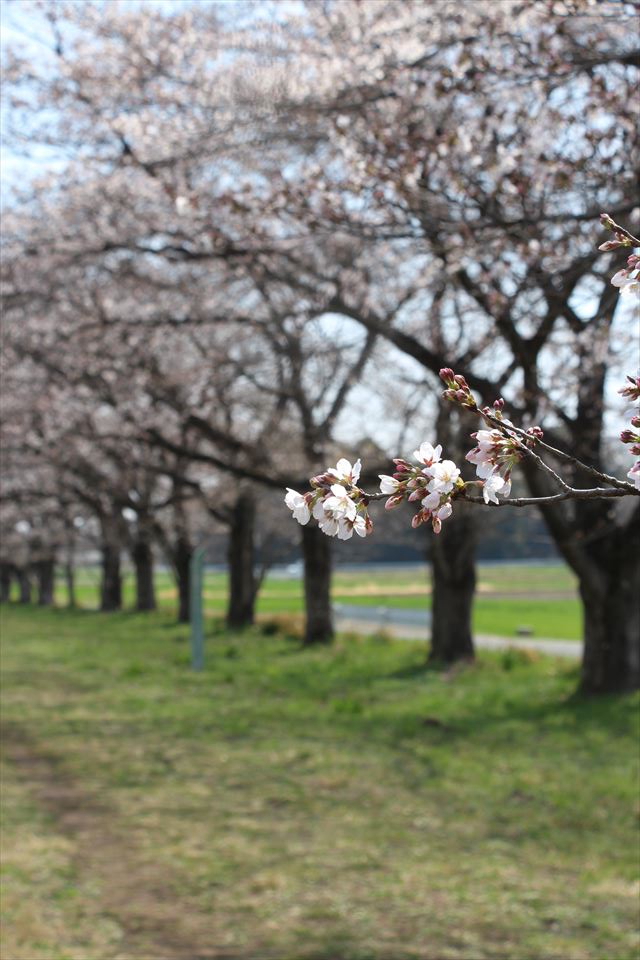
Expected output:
(627, 436)
(393, 501)
(322, 480)
(460, 380)
(446, 374)
(401, 465)
(418, 520)
(498, 404)
(610, 245)
(436, 524)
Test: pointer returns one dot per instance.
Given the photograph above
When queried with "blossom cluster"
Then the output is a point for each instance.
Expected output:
(336, 502)
(498, 450)
(432, 483)
(341, 507)
(628, 279)
(631, 391)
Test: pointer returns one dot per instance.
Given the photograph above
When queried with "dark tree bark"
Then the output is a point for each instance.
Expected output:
(609, 583)
(611, 658)
(24, 584)
(242, 583)
(142, 556)
(454, 583)
(5, 582)
(453, 555)
(45, 579)
(316, 551)
(70, 580)
(606, 546)
(111, 585)
(601, 543)
(182, 554)
(69, 566)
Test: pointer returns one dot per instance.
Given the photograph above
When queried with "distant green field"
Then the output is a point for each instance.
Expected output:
(343, 803)
(508, 598)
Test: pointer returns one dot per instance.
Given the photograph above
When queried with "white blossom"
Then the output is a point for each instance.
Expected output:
(344, 471)
(340, 504)
(443, 477)
(634, 474)
(427, 454)
(348, 527)
(493, 485)
(431, 501)
(329, 525)
(388, 484)
(298, 506)
(444, 511)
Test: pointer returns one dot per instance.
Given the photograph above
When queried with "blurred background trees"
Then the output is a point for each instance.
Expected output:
(249, 244)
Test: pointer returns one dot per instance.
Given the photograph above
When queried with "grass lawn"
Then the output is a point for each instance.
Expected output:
(332, 804)
(540, 597)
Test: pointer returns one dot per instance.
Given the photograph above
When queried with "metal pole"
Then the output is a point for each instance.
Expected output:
(195, 609)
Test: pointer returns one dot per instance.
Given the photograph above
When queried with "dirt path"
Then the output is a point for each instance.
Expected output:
(155, 924)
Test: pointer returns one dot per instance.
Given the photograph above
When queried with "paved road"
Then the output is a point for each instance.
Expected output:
(414, 625)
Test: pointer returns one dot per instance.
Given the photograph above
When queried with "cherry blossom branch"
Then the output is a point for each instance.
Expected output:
(622, 236)
(561, 454)
(341, 507)
(458, 392)
(572, 493)
(628, 279)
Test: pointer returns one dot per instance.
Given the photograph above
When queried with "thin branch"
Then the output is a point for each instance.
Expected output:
(571, 493)
(598, 474)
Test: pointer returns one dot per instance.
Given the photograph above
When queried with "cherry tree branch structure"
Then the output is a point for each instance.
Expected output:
(341, 507)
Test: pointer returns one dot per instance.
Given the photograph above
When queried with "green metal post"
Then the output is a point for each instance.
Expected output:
(195, 609)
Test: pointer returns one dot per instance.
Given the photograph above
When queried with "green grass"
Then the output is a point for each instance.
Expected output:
(508, 597)
(332, 804)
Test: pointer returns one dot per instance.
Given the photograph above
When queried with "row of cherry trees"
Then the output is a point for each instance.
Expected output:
(249, 218)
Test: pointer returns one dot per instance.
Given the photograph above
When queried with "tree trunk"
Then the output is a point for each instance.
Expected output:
(182, 567)
(316, 550)
(142, 556)
(24, 583)
(453, 555)
(5, 582)
(242, 586)
(454, 584)
(601, 543)
(45, 573)
(111, 585)
(611, 656)
(70, 580)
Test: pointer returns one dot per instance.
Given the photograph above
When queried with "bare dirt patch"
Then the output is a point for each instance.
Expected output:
(133, 892)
